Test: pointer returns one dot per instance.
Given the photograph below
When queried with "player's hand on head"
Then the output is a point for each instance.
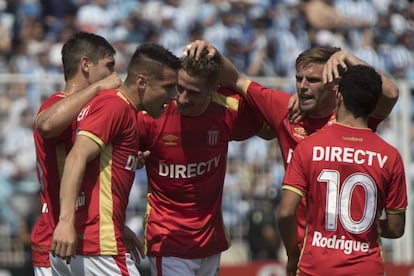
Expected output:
(64, 242)
(133, 244)
(110, 82)
(195, 48)
(334, 66)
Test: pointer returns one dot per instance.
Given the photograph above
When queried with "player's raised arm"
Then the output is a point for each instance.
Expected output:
(341, 60)
(55, 119)
(229, 75)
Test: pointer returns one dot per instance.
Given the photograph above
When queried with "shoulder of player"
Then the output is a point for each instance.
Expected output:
(316, 138)
(113, 95)
(227, 98)
(51, 100)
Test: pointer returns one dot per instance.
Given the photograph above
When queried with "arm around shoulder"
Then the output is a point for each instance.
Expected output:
(54, 120)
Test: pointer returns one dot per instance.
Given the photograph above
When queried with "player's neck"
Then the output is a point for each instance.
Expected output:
(323, 114)
(351, 121)
(74, 86)
(132, 97)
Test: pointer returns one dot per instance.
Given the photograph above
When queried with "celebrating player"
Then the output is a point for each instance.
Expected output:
(184, 228)
(88, 65)
(99, 170)
(348, 175)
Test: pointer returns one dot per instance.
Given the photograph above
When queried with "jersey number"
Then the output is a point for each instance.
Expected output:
(338, 202)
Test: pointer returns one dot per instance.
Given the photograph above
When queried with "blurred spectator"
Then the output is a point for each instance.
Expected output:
(323, 15)
(56, 15)
(400, 57)
(369, 51)
(6, 33)
(263, 235)
(170, 36)
(118, 39)
(17, 169)
(256, 151)
(96, 17)
(259, 64)
(225, 28)
(235, 203)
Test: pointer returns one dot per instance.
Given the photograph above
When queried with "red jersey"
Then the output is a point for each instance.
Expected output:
(348, 176)
(51, 154)
(110, 120)
(186, 172)
(273, 105)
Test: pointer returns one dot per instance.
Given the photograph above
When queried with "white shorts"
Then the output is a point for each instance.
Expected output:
(94, 265)
(42, 271)
(172, 266)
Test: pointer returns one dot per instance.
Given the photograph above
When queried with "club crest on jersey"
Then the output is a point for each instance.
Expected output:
(170, 140)
(213, 137)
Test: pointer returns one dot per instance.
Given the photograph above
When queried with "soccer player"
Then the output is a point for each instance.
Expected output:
(88, 64)
(348, 175)
(317, 74)
(99, 169)
(184, 230)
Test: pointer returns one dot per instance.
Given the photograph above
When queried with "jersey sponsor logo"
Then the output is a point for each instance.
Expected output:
(353, 139)
(132, 163)
(44, 208)
(289, 157)
(347, 246)
(213, 137)
(348, 155)
(80, 201)
(170, 140)
(188, 170)
(83, 113)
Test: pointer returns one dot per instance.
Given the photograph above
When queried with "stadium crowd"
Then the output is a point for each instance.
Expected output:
(261, 37)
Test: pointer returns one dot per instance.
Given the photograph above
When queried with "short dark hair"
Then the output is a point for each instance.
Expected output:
(361, 87)
(205, 67)
(315, 55)
(150, 59)
(81, 44)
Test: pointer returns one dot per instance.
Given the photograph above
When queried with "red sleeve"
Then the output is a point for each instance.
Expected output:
(104, 116)
(272, 104)
(65, 135)
(51, 101)
(396, 193)
(247, 123)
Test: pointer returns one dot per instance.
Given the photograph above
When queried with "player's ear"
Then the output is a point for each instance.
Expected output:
(335, 86)
(141, 82)
(339, 98)
(85, 64)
